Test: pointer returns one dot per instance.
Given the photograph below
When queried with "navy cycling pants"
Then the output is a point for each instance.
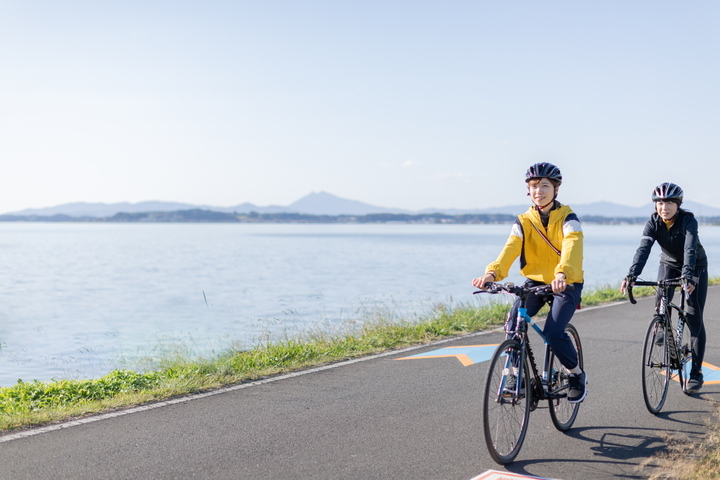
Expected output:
(562, 309)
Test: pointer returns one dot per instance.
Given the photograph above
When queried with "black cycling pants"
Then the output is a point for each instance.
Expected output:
(694, 307)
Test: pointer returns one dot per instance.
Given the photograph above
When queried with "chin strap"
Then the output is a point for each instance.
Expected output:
(540, 208)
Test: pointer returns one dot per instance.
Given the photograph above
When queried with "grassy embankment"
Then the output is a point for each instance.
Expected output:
(35, 403)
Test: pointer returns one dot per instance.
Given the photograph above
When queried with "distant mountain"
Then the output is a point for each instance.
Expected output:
(316, 203)
(102, 210)
(598, 209)
(607, 209)
(323, 203)
(249, 207)
(99, 210)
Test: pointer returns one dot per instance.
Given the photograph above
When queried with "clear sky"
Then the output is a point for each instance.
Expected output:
(405, 104)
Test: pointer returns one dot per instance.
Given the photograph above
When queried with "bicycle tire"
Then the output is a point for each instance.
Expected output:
(505, 416)
(656, 365)
(562, 412)
(685, 357)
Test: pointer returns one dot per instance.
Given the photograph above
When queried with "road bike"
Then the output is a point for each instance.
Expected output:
(665, 350)
(514, 385)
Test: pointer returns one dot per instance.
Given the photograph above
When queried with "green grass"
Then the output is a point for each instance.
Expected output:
(35, 403)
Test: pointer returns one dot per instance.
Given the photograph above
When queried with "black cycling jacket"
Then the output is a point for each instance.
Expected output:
(681, 247)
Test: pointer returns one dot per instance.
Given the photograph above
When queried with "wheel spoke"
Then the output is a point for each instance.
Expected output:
(656, 365)
(506, 410)
(562, 412)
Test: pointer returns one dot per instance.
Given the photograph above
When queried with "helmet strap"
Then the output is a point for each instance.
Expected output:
(548, 204)
(545, 206)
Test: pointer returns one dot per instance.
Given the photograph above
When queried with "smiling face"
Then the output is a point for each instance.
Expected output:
(542, 191)
(666, 210)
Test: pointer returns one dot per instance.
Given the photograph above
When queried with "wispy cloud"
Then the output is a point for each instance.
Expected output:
(405, 164)
(450, 176)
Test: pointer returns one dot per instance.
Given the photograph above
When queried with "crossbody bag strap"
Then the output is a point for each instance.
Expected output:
(547, 240)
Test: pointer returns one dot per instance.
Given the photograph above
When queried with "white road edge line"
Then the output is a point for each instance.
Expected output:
(119, 413)
(104, 416)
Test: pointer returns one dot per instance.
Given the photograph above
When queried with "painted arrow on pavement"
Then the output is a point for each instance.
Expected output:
(472, 354)
(468, 355)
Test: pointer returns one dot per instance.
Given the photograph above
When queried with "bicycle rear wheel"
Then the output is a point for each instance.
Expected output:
(562, 412)
(685, 360)
(656, 365)
(506, 410)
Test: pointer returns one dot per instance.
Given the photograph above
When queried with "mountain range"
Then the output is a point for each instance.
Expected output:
(323, 203)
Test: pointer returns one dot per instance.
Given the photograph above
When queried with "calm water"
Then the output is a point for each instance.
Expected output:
(77, 300)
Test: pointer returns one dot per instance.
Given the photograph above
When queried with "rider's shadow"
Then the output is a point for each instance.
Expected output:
(634, 451)
(679, 416)
(708, 396)
(626, 443)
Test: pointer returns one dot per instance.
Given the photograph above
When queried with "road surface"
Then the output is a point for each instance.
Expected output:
(413, 414)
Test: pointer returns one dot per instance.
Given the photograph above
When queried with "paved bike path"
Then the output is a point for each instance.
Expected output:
(382, 418)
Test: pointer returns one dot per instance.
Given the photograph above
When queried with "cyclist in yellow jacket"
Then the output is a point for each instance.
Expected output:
(548, 239)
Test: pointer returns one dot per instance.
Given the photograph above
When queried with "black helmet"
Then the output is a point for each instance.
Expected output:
(668, 192)
(543, 170)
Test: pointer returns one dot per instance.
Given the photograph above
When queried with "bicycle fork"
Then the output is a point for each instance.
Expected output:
(514, 366)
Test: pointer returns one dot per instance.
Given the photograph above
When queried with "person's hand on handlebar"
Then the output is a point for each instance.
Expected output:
(627, 283)
(480, 282)
(688, 285)
(558, 284)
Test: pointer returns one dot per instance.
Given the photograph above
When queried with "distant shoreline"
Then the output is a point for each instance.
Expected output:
(209, 216)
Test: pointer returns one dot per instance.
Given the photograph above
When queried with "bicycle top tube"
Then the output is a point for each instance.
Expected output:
(522, 292)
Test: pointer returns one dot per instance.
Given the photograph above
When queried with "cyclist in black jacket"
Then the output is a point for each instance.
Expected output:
(676, 231)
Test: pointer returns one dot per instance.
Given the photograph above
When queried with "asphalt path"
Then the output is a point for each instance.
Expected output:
(411, 414)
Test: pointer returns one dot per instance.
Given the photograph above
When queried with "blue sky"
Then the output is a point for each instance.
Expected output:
(405, 104)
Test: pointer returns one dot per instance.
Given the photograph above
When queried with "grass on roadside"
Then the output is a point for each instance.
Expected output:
(687, 459)
(34, 403)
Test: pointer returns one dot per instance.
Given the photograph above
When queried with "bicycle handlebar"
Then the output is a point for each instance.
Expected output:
(520, 290)
(670, 282)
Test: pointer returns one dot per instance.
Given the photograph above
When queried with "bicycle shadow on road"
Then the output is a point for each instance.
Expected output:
(675, 417)
(625, 443)
(614, 452)
(708, 396)
(595, 469)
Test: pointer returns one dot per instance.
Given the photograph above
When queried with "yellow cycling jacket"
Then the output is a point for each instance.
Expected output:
(539, 261)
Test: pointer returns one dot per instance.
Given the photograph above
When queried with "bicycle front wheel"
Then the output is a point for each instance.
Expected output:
(562, 412)
(506, 402)
(685, 358)
(656, 365)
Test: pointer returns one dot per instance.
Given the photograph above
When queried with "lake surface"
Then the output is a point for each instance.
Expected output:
(80, 299)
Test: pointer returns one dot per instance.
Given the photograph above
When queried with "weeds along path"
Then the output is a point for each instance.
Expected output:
(381, 417)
